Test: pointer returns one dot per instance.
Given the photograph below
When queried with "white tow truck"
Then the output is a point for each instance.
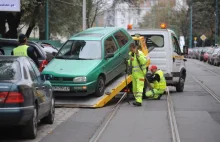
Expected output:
(167, 54)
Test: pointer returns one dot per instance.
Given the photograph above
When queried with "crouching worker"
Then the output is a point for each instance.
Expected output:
(158, 83)
(137, 64)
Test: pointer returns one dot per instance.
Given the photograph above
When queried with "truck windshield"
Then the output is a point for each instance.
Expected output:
(80, 50)
(154, 40)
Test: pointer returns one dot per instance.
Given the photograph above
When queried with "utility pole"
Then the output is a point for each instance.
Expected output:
(216, 23)
(47, 20)
(190, 36)
(84, 14)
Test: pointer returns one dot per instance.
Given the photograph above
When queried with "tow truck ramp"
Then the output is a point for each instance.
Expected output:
(112, 89)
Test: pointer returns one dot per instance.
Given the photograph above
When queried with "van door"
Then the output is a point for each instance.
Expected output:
(177, 58)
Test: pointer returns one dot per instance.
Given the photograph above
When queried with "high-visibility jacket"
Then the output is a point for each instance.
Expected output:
(133, 63)
(20, 50)
(161, 85)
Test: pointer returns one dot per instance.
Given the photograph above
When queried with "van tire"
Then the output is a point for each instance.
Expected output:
(180, 84)
(100, 87)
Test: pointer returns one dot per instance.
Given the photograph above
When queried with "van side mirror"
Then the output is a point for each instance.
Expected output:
(109, 55)
(185, 50)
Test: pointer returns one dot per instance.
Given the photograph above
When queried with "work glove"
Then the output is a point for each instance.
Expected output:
(149, 77)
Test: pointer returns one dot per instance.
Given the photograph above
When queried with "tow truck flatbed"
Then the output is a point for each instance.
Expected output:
(111, 90)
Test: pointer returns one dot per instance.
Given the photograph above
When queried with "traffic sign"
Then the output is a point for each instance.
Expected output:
(203, 37)
(10, 5)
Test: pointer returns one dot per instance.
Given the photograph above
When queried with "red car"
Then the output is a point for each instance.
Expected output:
(208, 53)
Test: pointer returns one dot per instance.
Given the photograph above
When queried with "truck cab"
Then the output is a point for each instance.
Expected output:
(166, 54)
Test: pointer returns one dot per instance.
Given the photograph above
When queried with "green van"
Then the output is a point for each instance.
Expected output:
(88, 61)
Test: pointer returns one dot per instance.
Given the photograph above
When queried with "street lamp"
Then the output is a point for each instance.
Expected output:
(84, 14)
(190, 36)
(216, 23)
(47, 20)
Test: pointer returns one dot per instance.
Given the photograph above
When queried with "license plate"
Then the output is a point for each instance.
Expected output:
(63, 89)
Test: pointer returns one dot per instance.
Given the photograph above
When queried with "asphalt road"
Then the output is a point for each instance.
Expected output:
(197, 115)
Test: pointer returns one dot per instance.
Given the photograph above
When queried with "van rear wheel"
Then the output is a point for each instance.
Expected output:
(180, 84)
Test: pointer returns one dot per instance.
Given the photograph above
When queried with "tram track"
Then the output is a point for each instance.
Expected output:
(215, 96)
(108, 119)
(211, 71)
(170, 112)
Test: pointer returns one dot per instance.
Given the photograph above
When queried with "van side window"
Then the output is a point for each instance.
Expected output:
(110, 46)
(176, 47)
(121, 38)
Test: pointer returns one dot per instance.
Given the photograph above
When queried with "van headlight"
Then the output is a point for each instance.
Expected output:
(80, 79)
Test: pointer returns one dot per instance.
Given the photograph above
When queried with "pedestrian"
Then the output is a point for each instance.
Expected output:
(158, 83)
(24, 50)
(137, 63)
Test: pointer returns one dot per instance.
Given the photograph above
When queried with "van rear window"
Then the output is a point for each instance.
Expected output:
(156, 41)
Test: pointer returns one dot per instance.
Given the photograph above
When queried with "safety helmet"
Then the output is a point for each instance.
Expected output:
(153, 67)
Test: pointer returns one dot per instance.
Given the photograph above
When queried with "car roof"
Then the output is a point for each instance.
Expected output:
(13, 58)
(95, 33)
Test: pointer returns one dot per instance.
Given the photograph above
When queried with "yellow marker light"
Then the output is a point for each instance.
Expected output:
(84, 87)
(163, 26)
(129, 27)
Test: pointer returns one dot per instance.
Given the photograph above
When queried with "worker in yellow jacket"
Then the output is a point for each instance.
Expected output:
(158, 83)
(137, 63)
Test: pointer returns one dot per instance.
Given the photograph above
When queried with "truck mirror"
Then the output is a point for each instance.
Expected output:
(185, 50)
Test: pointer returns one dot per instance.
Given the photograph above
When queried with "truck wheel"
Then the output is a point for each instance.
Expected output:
(100, 87)
(30, 130)
(180, 84)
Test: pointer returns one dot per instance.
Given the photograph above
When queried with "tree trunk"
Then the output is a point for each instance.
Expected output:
(33, 21)
(2, 23)
(13, 22)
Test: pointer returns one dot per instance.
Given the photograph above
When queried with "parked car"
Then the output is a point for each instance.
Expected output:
(213, 55)
(7, 45)
(88, 61)
(25, 96)
(190, 53)
(207, 54)
(201, 53)
(195, 53)
(217, 59)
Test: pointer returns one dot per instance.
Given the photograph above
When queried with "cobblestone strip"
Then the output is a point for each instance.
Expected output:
(61, 115)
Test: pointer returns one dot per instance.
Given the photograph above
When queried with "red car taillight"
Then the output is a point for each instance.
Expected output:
(14, 97)
(43, 65)
(3, 95)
